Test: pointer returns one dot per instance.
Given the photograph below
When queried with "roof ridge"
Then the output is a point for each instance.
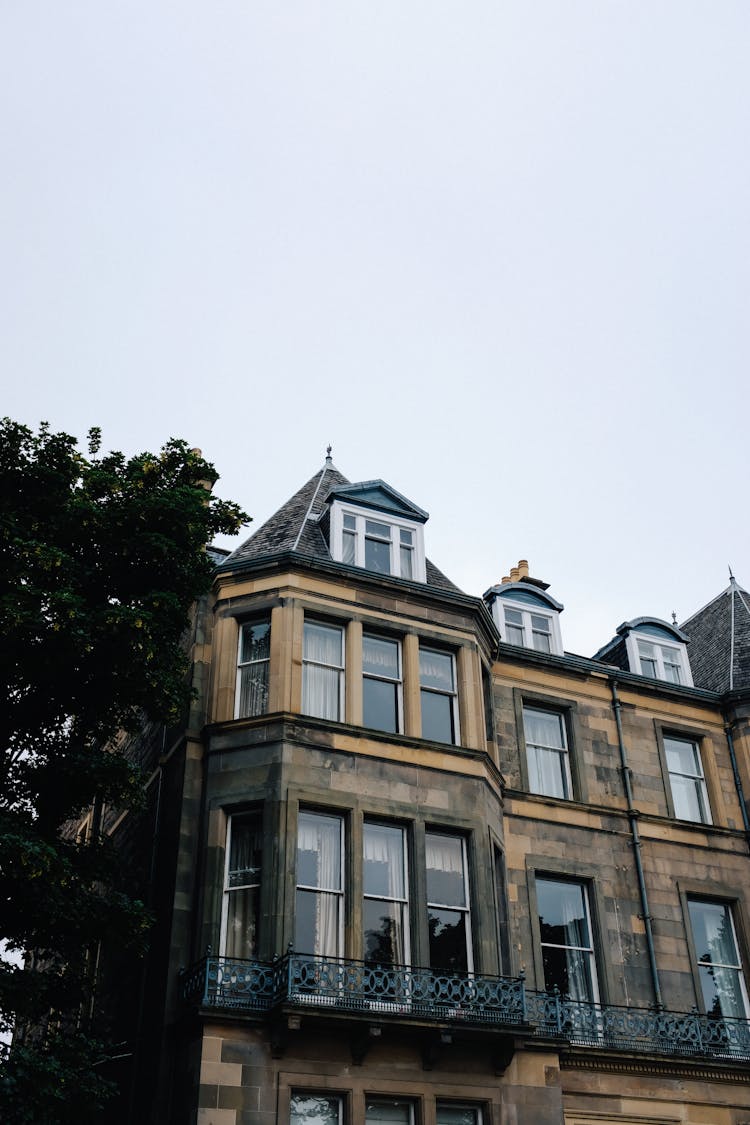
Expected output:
(306, 516)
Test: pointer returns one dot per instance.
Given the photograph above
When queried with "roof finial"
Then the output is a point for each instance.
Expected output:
(329, 460)
(674, 618)
(729, 568)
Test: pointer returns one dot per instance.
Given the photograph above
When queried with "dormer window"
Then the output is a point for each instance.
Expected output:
(525, 614)
(385, 548)
(373, 526)
(657, 649)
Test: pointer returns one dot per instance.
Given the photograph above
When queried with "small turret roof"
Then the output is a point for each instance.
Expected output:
(720, 641)
(297, 525)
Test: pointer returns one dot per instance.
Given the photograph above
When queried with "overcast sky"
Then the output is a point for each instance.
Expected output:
(497, 254)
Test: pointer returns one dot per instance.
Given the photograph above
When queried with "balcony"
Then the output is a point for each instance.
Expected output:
(335, 986)
(326, 984)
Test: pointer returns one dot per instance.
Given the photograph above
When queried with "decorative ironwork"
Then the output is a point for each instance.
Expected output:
(325, 983)
(638, 1029)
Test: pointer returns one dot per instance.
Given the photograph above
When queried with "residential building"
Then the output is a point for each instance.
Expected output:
(416, 864)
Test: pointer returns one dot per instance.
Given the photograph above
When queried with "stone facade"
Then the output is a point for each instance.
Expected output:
(237, 1040)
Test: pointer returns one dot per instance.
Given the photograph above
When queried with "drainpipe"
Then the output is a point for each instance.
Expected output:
(635, 836)
(736, 772)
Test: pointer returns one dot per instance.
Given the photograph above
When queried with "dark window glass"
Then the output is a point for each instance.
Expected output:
(381, 664)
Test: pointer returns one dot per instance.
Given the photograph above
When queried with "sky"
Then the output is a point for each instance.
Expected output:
(495, 253)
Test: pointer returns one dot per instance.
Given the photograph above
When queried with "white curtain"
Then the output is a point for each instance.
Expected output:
(322, 836)
(321, 680)
(384, 845)
(545, 747)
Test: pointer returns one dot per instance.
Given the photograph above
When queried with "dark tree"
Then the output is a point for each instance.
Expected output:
(101, 559)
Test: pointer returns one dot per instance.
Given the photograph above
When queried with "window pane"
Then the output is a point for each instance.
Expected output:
(312, 1109)
(319, 851)
(543, 728)
(547, 774)
(562, 913)
(380, 657)
(394, 1111)
(256, 638)
(380, 705)
(379, 530)
(513, 617)
(407, 566)
(321, 692)
(457, 1115)
(435, 669)
(682, 757)
(245, 851)
(317, 923)
(378, 556)
(349, 545)
(242, 923)
(384, 932)
(383, 862)
(445, 870)
(687, 799)
(568, 970)
(437, 717)
(350, 522)
(323, 643)
(447, 939)
(253, 690)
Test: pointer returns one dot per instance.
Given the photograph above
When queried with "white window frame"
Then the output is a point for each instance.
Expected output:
(242, 664)
(404, 902)
(465, 910)
(227, 890)
(527, 611)
(341, 668)
(563, 752)
(660, 645)
(339, 892)
(452, 695)
(396, 524)
(698, 779)
(398, 682)
(589, 950)
(734, 967)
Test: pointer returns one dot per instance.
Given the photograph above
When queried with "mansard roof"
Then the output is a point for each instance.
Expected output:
(297, 525)
(720, 641)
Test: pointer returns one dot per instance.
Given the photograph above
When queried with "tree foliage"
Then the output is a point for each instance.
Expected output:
(101, 559)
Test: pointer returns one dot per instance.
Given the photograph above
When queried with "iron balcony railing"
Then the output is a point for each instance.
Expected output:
(410, 993)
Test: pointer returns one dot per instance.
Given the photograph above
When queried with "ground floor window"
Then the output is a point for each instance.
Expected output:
(450, 1113)
(389, 1111)
(316, 1109)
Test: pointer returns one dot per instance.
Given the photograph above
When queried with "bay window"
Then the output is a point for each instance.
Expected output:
(437, 681)
(385, 886)
(323, 671)
(252, 668)
(448, 916)
(319, 916)
(381, 683)
(241, 900)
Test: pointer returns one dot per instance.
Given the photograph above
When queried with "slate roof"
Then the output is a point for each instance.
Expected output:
(295, 527)
(720, 641)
